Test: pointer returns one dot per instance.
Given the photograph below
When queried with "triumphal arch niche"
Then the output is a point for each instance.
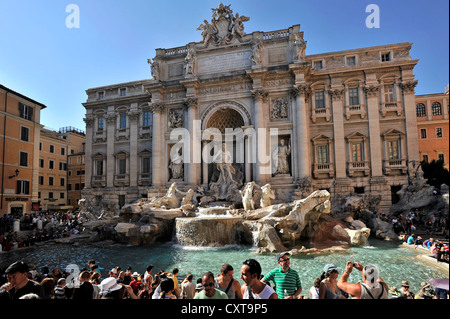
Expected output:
(342, 121)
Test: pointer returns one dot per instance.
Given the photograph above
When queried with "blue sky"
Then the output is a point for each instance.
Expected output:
(43, 59)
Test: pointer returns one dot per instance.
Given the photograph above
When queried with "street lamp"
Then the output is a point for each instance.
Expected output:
(16, 174)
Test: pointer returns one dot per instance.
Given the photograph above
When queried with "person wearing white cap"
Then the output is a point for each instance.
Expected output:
(328, 286)
(372, 287)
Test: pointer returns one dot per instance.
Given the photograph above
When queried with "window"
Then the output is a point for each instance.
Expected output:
(318, 65)
(322, 154)
(69, 187)
(50, 180)
(52, 149)
(438, 131)
(123, 121)
(353, 96)
(359, 190)
(421, 110)
(40, 146)
(101, 95)
(122, 165)
(385, 57)
(147, 119)
(389, 93)
(63, 151)
(41, 180)
(62, 166)
(393, 149)
(62, 181)
(23, 187)
(146, 165)
(436, 108)
(351, 60)
(423, 133)
(23, 159)
(25, 111)
(121, 200)
(51, 164)
(100, 123)
(50, 195)
(425, 158)
(99, 167)
(441, 157)
(123, 92)
(41, 163)
(357, 154)
(61, 195)
(320, 100)
(24, 133)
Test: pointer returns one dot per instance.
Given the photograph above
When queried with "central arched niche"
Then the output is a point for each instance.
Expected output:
(220, 116)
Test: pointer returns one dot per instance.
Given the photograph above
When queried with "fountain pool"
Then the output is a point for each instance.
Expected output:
(395, 263)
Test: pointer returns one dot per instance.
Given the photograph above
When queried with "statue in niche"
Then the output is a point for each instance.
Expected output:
(256, 53)
(280, 157)
(154, 67)
(229, 178)
(176, 166)
(175, 119)
(224, 162)
(189, 65)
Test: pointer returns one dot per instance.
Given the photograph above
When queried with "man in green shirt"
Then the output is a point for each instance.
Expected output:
(209, 291)
(287, 282)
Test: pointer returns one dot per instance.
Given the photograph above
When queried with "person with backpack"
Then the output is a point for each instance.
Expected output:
(372, 286)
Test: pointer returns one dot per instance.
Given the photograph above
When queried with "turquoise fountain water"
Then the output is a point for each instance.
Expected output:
(395, 264)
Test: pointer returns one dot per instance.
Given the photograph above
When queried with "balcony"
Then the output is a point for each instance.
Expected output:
(321, 113)
(144, 179)
(395, 167)
(122, 134)
(98, 181)
(121, 180)
(323, 170)
(391, 107)
(358, 168)
(355, 110)
(99, 137)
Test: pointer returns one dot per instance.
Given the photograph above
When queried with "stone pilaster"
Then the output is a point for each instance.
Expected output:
(89, 120)
(262, 167)
(301, 160)
(337, 96)
(111, 119)
(133, 115)
(373, 115)
(157, 147)
(409, 105)
(191, 169)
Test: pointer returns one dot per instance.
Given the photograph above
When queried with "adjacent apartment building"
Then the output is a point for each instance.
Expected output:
(432, 127)
(20, 131)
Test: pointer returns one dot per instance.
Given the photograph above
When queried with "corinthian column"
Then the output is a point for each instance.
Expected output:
(337, 96)
(373, 115)
(191, 171)
(157, 147)
(301, 163)
(262, 166)
(133, 115)
(412, 143)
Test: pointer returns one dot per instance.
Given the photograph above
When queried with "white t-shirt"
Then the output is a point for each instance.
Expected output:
(264, 294)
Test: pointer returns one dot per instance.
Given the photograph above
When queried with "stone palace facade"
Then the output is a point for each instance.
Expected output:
(347, 119)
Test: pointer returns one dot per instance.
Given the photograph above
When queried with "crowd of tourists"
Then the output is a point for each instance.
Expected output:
(21, 281)
(37, 227)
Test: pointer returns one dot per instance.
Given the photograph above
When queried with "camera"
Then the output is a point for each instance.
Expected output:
(354, 265)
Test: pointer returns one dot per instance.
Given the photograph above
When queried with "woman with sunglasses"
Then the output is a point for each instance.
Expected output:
(328, 286)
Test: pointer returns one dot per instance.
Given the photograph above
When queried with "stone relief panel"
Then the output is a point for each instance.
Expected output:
(279, 108)
(175, 118)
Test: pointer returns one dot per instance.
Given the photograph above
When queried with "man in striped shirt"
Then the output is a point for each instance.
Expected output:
(287, 282)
